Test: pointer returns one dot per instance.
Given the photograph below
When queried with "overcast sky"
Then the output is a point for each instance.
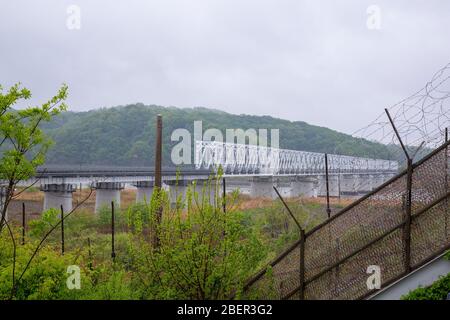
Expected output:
(315, 61)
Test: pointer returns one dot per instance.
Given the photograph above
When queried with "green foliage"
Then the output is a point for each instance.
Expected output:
(204, 253)
(125, 135)
(23, 144)
(47, 220)
(25, 141)
(437, 291)
(104, 217)
(447, 255)
(46, 278)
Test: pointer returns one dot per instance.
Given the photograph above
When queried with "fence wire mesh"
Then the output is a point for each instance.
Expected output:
(372, 231)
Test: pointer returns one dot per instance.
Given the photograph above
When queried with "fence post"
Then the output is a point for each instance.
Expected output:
(446, 183)
(336, 279)
(302, 265)
(407, 220)
(408, 198)
(224, 195)
(62, 230)
(113, 252)
(301, 290)
(23, 223)
(89, 253)
(327, 186)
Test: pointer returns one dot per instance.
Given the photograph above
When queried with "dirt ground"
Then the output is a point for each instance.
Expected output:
(34, 201)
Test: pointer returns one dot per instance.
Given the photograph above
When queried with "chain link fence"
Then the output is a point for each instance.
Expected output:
(383, 228)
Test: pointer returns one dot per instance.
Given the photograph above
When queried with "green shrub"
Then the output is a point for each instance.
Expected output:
(437, 291)
(204, 253)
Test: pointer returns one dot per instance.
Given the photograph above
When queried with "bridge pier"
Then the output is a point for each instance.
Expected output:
(367, 183)
(333, 185)
(305, 187)
(3, 191)
(206, 190)
(241, 184)
(262, 187)
(177, 189)
(380, 179)
(349, 185)
(144, 191)
(57, 195)
(107, 192)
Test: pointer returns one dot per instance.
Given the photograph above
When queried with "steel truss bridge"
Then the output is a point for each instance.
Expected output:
(247, 159)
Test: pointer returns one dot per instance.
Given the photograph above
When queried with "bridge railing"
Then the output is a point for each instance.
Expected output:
(332, 260)
(245, 158)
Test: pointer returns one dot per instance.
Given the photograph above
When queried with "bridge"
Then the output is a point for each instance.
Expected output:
(252, 159)
(252, 169)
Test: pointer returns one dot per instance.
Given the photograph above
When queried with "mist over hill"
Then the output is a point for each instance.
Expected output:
(125, 135)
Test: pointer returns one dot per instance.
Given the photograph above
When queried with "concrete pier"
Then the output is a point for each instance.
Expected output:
(334, 184)
(241, 184)
(57, 195)
(105, 193)
(144, 191)
(205, 190)
(262, 187)
(304, 187)
(177, 190)
(349, 185)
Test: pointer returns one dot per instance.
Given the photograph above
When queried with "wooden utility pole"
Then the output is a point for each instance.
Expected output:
(158, 180)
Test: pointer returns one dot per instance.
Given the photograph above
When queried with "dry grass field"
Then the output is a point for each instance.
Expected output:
(34, 200)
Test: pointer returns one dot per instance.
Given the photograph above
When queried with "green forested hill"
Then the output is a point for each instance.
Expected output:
(125, 135)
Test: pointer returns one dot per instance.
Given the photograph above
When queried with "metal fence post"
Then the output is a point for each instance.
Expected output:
(224, 195)
(89, 254)
(407, 220)
(23, 223)
(301, 290)
(113, 252)
(327, 186)
(302, 265)
(408, 199)
(62, 230)
(446, 183)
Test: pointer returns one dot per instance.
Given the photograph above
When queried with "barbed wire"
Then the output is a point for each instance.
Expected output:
(421, 120)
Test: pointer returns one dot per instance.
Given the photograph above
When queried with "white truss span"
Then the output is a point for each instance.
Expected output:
(251, 159)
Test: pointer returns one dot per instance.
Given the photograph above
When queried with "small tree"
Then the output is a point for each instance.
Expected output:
(23, 145)
(205, 253)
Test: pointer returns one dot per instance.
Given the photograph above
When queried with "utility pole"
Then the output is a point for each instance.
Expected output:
(158, 180)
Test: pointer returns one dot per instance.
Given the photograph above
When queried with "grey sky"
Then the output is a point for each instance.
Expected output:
(314, 61)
